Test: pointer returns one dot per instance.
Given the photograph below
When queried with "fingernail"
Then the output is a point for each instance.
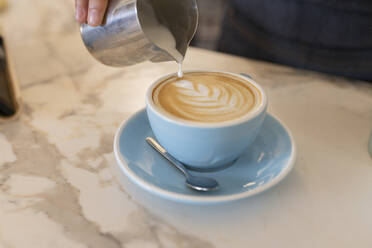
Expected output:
(94, 18)
(80, 13)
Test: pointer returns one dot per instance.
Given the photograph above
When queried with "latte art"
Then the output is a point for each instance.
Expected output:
(205, 97)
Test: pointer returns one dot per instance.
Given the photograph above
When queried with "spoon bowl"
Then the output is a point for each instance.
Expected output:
(193, 182)
(201, 183)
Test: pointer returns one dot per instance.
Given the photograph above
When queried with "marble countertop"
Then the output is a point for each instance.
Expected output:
(57, 187)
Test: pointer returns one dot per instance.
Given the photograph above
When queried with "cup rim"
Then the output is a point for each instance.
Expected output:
(248, 116)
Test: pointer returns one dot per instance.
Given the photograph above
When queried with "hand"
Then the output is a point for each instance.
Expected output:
(90, 11)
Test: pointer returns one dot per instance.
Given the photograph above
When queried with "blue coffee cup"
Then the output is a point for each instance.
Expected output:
(206, 146)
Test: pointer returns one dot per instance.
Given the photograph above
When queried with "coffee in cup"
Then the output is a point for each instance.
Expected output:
(206, 119)
(206, 97)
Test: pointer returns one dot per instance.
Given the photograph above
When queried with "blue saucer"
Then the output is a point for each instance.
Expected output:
(265, 163)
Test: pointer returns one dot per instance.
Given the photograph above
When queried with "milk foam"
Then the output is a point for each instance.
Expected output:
(205, 98)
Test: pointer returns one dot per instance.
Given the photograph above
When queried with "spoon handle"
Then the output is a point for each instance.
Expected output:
(166, 155)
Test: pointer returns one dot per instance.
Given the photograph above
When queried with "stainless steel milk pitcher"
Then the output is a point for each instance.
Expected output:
(121, 40)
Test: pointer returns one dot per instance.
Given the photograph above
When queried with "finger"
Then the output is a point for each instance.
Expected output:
(81, 9)
(96, 11)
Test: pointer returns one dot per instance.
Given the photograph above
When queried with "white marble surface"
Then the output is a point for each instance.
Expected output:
(57, 186)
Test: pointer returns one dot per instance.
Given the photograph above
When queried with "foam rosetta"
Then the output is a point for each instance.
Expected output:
(205, 97)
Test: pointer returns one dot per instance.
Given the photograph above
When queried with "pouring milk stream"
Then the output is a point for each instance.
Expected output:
(162, 37)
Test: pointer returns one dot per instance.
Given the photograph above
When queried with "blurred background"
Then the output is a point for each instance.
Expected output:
(333, 37)
(210, 23)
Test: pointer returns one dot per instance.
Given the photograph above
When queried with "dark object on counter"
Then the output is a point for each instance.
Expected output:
(7, 107)
(322, 35)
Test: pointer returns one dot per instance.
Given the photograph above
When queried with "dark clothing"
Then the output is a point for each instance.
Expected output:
(323, 35)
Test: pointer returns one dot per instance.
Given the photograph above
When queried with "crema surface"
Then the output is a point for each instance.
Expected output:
(205, 97)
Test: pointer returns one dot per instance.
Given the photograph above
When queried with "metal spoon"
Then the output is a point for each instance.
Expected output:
(194, 182)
